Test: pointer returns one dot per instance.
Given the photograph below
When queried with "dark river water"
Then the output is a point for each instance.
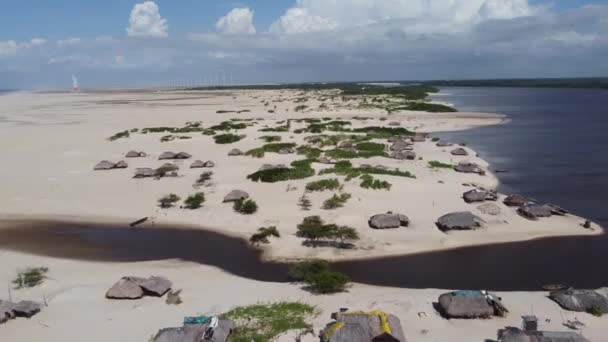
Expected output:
(555, 148)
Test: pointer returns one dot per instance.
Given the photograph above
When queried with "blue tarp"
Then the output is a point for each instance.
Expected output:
(199, 320)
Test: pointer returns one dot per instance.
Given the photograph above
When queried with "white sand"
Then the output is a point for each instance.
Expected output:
(52, 141)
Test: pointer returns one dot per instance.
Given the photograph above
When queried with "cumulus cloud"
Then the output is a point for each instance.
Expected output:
(419, 15)
(8, 47)
(69, 41)
(237, 21)
(146, 21)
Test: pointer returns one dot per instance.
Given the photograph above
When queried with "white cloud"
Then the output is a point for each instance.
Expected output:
(420, 15)
(8, 48)
(573, 38)
(35, 42)
(146, 21)
(69, 41)
(300, 20)
(237, 21)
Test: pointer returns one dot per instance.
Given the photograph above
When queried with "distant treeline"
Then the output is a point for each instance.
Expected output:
(600, 82)
(410, 92)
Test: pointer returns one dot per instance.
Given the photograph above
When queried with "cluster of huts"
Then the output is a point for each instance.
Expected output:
(165, 170)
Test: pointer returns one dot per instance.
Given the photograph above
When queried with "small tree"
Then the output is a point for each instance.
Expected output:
(304, 203)
(168, 201)
(319, 277)
(336, 201)
(263, 234)
(204, 177)
(194, 201)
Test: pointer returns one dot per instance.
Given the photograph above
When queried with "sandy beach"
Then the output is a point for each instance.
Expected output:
(52, 141)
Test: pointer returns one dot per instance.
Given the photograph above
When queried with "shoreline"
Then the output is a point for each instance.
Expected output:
(375, 244)
(216, 268)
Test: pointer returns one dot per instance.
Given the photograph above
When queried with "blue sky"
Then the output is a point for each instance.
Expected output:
(133, 43)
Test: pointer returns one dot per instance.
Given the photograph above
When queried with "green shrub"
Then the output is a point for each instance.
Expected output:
(300, 169)
(228, 126)
(368, 182)
(270, 148)
(194, 201)
(265, 322)
(30, 277)
(370, 146)
(119, 135)
(245, 207)
(595, 311)
(300, 108)
(319, 277)
(204, 177)
(271, 138)
(345, 168)
(228, 138)
(323, 184)
(309, 151)
(263, 234)
(429, 107)
(168, 201)
(336, 201)
(439, 165)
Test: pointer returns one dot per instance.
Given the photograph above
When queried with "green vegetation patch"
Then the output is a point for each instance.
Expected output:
(342, 153)
(227, 138)
(323, 185)
(345, 168)
(383, 132)
(168, 201)
(319, 277)
(282, 128)
(265, 322)
(369, 182)
(439, 165)
(309, 151)
(336, 201)
(270, 148)
(300, 169)
(30, 277)
(194, 201)
(427, 107)
(120, 135)
(245, 207)
(228, 125)
(271, 138)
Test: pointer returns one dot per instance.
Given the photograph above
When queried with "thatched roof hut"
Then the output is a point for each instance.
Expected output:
(463, 220)
(104, 165)
(144, 172)
(166, 168)
(10, 310)
(534, 211)
(198, 164)
(136, 287)
(236, 195)
(196, 332)
(359, 326)
(388, 221)
(121, 165)
(135, 154)
(166, 155)
(516, 200)
(468, 167)
(235, 152)
(470, 304)
(580, 300)
(459, 152)
(511, 334)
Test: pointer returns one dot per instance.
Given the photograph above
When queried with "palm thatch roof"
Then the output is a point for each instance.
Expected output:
(511, 334)
(363, 327)
(196, 332)
(470, 304)
(104, 165)
(580, 300)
